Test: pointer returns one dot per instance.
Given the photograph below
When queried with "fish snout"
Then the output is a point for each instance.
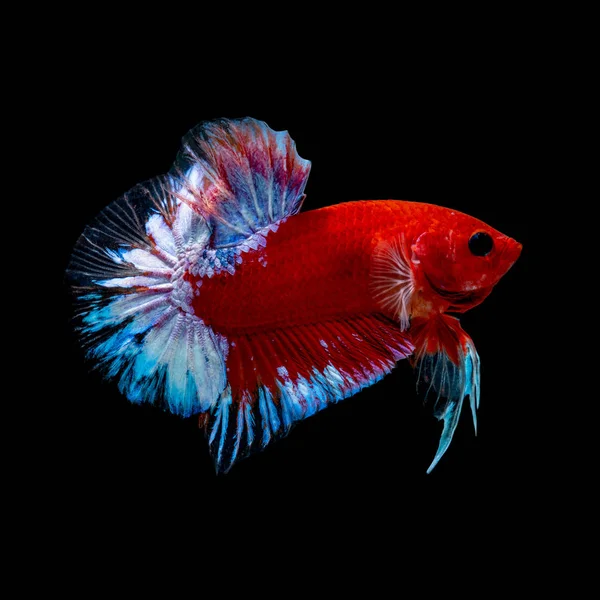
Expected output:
(507, 257)
(513, 250)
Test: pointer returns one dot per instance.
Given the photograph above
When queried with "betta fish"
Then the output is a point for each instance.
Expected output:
(208, 293)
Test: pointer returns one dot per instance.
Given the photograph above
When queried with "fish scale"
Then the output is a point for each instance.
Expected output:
(318, 265)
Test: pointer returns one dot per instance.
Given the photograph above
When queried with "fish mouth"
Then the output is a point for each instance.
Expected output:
(509, 252)
(461, 300)
(513, 251)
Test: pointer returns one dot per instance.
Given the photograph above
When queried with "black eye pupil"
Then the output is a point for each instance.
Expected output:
(481, 244)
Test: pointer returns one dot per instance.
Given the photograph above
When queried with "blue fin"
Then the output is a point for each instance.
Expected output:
(450, 374)
(134, 305)
(278, 378)
(241, 176)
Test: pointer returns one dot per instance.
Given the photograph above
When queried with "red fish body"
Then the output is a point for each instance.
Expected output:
(206, 292)
(314, 267)
(319, 267)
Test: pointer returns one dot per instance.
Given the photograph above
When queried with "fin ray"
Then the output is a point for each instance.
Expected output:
(241, 176)
(447, 362)
(280, 377)
(133, 305)
(392, 279)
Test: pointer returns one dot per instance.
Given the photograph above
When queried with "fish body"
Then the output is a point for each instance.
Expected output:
(313, 268)
(207, 292)
(318, 265)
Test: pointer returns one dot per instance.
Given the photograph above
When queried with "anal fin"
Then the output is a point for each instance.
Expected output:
(282, 376)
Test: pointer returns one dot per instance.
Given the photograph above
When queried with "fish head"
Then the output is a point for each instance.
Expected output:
(462, 258)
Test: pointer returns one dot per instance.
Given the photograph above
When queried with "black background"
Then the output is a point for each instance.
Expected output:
(458, 138)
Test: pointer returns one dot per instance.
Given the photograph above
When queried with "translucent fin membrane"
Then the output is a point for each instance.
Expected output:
(134, 303)
(446, 385)
(280, 377)
(241, 175)
(123, 224)
(447, 367)
(392, 280)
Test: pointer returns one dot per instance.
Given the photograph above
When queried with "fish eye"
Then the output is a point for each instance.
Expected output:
(481, 243)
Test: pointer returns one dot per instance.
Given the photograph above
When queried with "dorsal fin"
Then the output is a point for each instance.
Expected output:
(241, 176)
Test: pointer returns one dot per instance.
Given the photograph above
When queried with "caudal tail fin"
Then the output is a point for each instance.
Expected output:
(134, 302)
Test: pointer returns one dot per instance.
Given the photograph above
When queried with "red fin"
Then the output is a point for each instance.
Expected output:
(358, 348)
(440, 333)
(448, 365)
(282, 376)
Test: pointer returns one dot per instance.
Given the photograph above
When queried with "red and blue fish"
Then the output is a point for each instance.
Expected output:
(207, 292)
